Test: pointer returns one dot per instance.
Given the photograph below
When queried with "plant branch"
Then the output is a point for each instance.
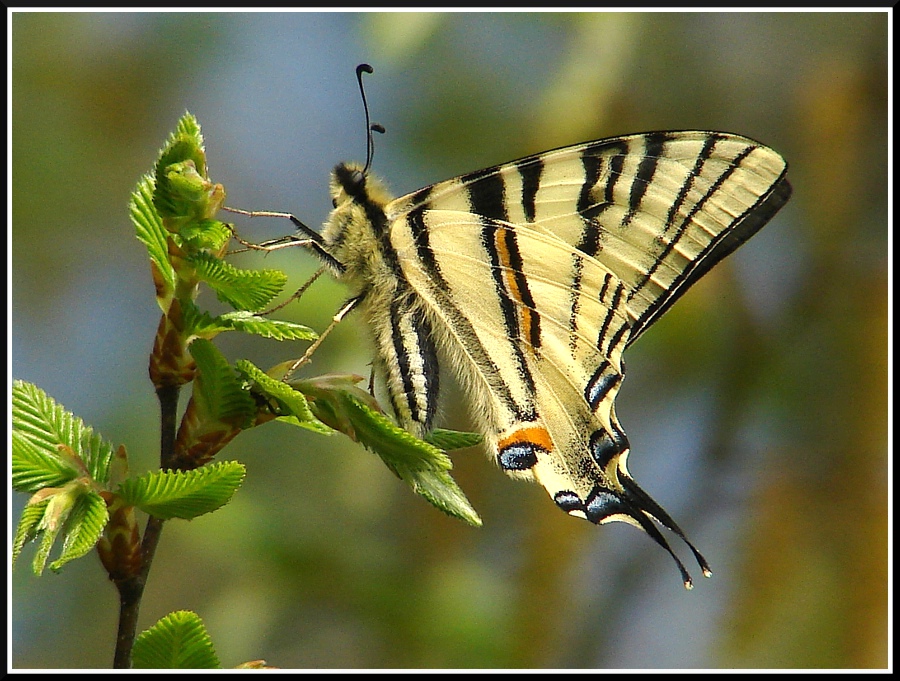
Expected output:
(131, 588)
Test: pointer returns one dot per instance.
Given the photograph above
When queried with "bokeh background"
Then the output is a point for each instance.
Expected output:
(757, 409)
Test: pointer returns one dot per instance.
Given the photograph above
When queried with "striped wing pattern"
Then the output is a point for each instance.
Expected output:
(531, 278)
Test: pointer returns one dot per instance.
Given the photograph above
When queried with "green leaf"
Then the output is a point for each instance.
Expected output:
(267, 328)
(204, 325)
(182, 189)
(188, 126)
(242, 289)
(441, 490)
(177, 641)
(183, 494)
(46, 544)
(34, 468)
(219, 394)
(83, 528)
(27, 528)
(74, 511)
(206, 234)
(423, 466)
(52, 431)
(347, 408)
(150, 231)
(452, 439)
(286, 402)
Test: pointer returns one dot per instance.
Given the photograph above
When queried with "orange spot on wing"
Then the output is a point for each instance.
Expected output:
(539, 437)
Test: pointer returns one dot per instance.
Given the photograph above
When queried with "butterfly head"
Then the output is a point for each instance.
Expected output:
(351, 183)
(357, 223)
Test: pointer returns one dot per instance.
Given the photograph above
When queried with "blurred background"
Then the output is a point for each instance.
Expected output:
(756, 409)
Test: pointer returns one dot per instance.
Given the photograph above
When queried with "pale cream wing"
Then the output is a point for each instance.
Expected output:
(541, 360)
(536, 274)
(657, 209)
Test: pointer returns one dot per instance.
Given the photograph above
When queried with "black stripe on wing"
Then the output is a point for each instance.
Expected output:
(719, 248)
(441, 289)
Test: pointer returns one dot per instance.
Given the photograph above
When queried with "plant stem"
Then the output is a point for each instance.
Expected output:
(131, 589)
(130, 592)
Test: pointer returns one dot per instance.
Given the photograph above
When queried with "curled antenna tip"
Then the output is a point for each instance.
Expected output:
(370, 127)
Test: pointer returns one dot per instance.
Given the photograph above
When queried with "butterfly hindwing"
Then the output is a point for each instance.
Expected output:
(530, 278)
(541, 360)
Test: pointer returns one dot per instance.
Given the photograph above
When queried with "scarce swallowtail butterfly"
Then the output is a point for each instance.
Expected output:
(529, 279)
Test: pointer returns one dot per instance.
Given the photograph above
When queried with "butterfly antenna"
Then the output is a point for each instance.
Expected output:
(370, 127)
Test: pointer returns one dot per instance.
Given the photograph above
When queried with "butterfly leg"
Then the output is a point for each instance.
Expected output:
(343, 312)
(311, 240)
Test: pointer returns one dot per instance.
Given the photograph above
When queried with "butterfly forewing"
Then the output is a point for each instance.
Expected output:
(656, 209)
(530, 278)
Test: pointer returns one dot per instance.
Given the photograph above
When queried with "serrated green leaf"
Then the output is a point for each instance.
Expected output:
(423, 466)
(183, 191)
(242, 289)
(83, 528)
(56, 515)
(439, 488)
(288, 403)
(27, 528)
(43, 551)
(74, 511)
(188, 126)
(452, 439)
(398, 448)
(268, 328)
(150, 231)
(206, 234)
(183, 494)
(348, 408)
(47, 425)
(219, 394)
(177, 641)
(204, 325)
(181, 184)
(34, 468)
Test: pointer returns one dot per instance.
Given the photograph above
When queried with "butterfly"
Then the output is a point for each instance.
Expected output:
(529, 279)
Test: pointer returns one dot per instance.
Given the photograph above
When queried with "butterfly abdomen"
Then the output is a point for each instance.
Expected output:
(357, 235)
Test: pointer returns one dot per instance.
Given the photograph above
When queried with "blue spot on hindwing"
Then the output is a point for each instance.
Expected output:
(603, 447)
(518, 457)
(602, 503)
(568, 501)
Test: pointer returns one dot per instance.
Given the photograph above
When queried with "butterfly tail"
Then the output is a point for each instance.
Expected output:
(647, 509)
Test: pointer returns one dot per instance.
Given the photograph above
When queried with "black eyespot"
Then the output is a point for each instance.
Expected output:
(334, 202)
